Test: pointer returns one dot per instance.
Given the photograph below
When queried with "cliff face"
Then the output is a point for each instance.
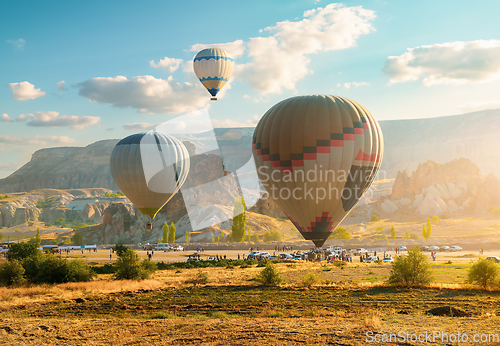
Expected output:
(64, 168)
(474, 136)
(443, 189)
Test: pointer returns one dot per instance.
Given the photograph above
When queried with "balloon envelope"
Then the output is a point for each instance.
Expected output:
(316, 155)
(149, 168)
(213, 67)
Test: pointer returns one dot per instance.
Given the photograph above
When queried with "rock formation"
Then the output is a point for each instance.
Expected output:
(443, 189)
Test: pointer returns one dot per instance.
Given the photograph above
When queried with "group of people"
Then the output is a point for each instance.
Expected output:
(283, 248)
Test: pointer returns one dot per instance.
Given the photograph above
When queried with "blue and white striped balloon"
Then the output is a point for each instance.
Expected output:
(213, 67)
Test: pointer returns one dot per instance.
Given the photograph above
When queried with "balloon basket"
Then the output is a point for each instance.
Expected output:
(213, 99)
(149, 225)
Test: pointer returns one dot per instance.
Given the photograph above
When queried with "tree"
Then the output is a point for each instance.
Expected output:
(270, 275)
(393, 232)
(171, 233)
(213, 239)
(165, 239)
(374, 218)
(22, 250)
(340, 233)
(222, 237)
(78, 239)
(435, 219)
(129, 267)
(11, 273)
(1, 236)
(187, 236)
(239, 220)
(412, 269)
(38, 238)
(483, 272)
(426, 230)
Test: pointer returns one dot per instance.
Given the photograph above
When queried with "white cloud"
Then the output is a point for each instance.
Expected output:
(5, 118)
(61, 85)
(19, 43)
(280, 61)
(24, 91)
(52, 119)
(23, 117)
(450, 63)
(479, 106)
(146, 93)
(354, 84)
(233, 123)
(138, 126)
(40, 140)
(167, 64)
(235, 48)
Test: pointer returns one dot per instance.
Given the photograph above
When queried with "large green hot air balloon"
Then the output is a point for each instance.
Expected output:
(316, 155)
(149, 168)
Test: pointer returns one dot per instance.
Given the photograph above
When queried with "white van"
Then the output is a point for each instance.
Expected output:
(163, 247)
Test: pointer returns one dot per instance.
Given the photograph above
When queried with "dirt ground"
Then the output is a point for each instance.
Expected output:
(102, 256)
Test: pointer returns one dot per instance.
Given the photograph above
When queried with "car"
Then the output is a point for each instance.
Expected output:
(297, 257)
(265, 254)
(495, 259)
(253, 254)
(177, 248)
(371, 259)
(455, 248)
(285, 256)
(444, 248)
(424, 248)
(388, 259)
(402, 248)
(193, 259)
(359, 251)
(210, 258)
(273, 258)
(433, 248)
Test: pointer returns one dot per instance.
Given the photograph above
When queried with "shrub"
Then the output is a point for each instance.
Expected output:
(128, 266)
(435, 219)
(201, 278)
(272, 236)
(119, 249)
(483, 273)
(374, 218)
(31, 266)
(339, 264)
(310, 280)
(105, 269)
(22, 250)
(413, 235)
(52, 270)
(270, 275)
(412, 269)
(11, 273)
(79, 271)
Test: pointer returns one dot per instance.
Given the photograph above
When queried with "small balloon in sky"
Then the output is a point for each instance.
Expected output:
(213, 67)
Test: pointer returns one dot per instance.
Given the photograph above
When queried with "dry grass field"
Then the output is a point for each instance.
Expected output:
(232, 309)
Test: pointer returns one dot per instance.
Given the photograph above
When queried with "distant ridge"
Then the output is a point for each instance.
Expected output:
(475, 136)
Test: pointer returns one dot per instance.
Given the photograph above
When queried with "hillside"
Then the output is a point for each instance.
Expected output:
(472, 136)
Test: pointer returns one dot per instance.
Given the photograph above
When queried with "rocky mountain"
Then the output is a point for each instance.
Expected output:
(407, 143)
(456, 187)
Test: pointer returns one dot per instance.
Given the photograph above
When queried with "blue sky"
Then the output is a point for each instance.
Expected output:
(400, 59)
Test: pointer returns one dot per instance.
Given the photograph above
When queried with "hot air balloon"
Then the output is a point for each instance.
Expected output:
(149, 168)
(213, 67)
(316, 155)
